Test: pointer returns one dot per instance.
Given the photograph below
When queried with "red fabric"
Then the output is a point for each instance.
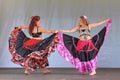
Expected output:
(85, 46)
(31, 43)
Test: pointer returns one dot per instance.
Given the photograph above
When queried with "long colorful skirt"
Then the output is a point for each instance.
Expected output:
(30, 53)
(82, 54)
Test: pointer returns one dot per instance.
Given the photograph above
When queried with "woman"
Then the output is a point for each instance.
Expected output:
(31, 53)
(82, 52)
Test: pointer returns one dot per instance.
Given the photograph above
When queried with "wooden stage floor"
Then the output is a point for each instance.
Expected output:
(59, 74)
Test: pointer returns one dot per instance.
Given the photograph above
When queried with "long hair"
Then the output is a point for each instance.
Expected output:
(33, 23)
(84, 20)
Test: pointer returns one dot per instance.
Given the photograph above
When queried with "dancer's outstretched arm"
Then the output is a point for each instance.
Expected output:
(23, 27)
(98, 23)
(41, 29)
(72, 30)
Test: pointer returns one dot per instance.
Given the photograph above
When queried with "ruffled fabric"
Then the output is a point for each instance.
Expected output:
(82, 61)
(28, 52)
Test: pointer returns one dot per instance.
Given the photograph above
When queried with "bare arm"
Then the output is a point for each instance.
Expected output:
(98, 23)
(72, 30)
(23, 27)
(40, 29)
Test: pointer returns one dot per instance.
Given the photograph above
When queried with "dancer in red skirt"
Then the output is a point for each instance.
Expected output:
(32, 53)
(82, 52)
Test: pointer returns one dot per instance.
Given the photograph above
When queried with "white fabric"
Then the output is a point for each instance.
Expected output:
(61, 14)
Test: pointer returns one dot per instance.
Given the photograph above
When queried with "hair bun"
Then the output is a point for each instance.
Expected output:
(31, 17)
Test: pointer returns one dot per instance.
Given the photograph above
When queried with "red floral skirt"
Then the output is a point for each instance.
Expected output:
(30, 53)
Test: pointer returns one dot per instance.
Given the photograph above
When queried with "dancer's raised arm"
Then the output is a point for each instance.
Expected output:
(92, 25)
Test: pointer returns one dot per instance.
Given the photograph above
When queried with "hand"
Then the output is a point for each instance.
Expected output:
(61, 30)
(56, 31)
(16, 27)
(109, 19)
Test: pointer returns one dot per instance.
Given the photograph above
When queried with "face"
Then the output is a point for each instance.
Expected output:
(38, 22)
(80, 21)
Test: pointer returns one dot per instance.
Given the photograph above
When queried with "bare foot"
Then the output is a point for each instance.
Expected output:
(26, 72)
(46, 71)
(93, 73)
(32, 70)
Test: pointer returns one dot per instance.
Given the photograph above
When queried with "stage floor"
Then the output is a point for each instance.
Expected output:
(59, 74)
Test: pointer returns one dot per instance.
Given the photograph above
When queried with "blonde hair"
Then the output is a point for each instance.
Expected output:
(84, 20)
